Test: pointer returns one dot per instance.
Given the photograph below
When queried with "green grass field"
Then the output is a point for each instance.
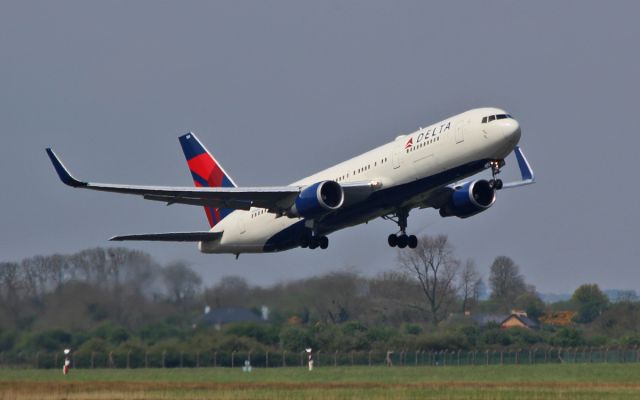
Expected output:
(567, 381)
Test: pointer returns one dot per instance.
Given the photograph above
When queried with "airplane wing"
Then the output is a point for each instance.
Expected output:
(171, 237)
(277, 197)
(273, 198)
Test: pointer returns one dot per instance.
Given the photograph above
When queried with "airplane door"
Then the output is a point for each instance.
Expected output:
(242, 222)
(395, 160)
(460, 134)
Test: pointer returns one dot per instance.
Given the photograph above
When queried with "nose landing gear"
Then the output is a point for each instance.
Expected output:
(401, 239)
(495, 170)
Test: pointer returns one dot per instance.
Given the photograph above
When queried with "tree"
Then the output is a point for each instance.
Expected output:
(182, 282)
(591, 302)
(531, 303)
(505, 281)
(434, 266)
(469, 282)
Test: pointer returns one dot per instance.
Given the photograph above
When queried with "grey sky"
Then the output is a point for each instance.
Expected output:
(278, 90)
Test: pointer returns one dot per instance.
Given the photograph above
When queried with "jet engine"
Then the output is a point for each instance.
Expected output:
(469, 199)
(318, 199)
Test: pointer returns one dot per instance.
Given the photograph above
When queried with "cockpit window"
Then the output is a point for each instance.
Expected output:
(495, 117)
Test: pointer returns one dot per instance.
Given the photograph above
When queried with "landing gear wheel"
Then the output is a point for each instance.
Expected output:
(313, 243)
(498, 184)
(412, 242)
(324, 242)
(403, 241)
(393, 240)
(304, 241)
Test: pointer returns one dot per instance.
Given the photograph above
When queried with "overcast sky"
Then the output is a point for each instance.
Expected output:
(278, 90)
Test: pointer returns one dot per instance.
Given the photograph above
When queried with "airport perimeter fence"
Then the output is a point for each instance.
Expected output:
(274, 359)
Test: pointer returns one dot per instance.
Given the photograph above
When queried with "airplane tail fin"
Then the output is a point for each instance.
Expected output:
(206, 172)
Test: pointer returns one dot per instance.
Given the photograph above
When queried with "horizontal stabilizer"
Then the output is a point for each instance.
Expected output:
(172, 237)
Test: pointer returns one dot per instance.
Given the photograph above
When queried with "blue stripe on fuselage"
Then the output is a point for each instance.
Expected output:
(384, 199)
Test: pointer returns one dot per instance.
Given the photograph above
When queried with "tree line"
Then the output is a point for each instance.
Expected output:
(116, 299)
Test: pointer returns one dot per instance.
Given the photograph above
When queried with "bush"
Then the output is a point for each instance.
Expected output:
(443, 341)
(568, 337)
(496, 337)
(265, 334)
(53, 340)
(412, 329)
(294, 338)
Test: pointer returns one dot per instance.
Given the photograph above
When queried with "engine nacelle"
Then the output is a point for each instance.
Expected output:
(318, 199)
(472, 198)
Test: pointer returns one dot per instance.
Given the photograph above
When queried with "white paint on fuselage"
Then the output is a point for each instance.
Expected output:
(453, 142)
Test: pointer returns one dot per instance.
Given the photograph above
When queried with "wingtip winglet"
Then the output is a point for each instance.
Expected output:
(62, 172)
(523, 164)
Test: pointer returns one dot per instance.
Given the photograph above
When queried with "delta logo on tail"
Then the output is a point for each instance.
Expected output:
(206, 172)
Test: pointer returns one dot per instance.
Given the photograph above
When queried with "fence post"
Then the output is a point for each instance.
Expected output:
(266, 359)
(459, 356)
(487, 356)
(517, 354)
(111, 363)
(37, 360)
(317, 362)
(55, 359)
(302, 358)
(284, 362)
(335, 359)
(146, 359)
(532, 356)
(197, 359)
(164, 353)
(93, 353)
(501, 356)
(352, 358)
(233, 359)
(249, 356)
(417, 352)
(215, 359)
(369, 357)
(181, 358)
(546, 353)
(128, 359)
(606, 355)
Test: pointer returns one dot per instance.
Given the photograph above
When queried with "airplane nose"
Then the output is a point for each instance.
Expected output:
(510, 129)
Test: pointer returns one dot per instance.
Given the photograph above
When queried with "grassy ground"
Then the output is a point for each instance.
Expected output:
(568, 381)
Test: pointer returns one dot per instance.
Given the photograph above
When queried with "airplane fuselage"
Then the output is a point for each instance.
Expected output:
(406, 171)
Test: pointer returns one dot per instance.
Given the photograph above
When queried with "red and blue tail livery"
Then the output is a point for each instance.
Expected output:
(206, 172)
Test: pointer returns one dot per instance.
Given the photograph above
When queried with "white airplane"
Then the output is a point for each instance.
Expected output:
(423, 169)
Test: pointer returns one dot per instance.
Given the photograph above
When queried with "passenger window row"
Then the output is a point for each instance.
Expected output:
(361, 170)
(428, 142)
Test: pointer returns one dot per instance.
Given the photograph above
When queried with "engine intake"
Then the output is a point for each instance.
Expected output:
(470, 199)
(318, 199)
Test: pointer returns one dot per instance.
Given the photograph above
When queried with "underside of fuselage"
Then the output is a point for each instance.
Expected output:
(380, 203)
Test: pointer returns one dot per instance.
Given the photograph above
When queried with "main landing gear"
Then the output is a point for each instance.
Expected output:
(495, 170)
(314, 241)
(401, 239)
